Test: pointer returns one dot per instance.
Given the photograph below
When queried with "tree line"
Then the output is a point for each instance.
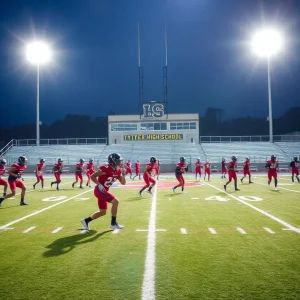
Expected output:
(211, 124)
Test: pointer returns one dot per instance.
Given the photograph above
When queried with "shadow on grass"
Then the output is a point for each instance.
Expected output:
(66, 244)
(137, 198)
(173, 194)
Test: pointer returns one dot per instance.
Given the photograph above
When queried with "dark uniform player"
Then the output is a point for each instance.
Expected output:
(246, 170)
(57, 170)
(272, 166)
(39, 173)
(89, 171)
(2, 171)
(104, 178)
(295, 168)
(148, 176)
(232, 173)
(78, 173)
(181, 168)
(14, 174)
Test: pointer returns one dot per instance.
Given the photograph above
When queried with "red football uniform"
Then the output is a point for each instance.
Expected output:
(78, 171)
(198, 167)
(128, 168)
(90, 169)
(148, 172)
(246, 167)
(57, 169)
(272, 169)
(39, 173)
(106, 181)
(14, 181)
(137, 168)
(207, 167)
(2, 171)
(223, 165)
(232, 170)
(295, 168)
(180, 169)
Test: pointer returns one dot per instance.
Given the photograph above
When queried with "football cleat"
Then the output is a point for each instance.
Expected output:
(225, 187)
(116, 226)
(85, 225)
(149, 192)
(173, 189)
(22, 203)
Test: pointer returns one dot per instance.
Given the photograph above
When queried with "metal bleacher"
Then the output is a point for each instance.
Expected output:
(291, 149)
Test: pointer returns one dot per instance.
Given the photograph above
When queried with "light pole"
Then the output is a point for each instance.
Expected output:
(266, 43)
(38, 53)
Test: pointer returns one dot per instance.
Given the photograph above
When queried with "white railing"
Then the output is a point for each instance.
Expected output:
(6, 148)
(61, 141)
(250, 138)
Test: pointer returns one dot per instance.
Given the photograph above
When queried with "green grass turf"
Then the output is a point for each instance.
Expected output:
(197, 265)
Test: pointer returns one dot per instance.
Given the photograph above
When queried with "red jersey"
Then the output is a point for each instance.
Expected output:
(18, 169)
(2, 170)
(58, 167)
(246, 165)
(110, 175)
(149, 168)
(90, 167)
(207, 165)
(180, 168)
(223, 164)
(137, 165)
(232, 166)
(128, 165)
(79, 168)
(198, 164)
(40, 166)
(272, 165)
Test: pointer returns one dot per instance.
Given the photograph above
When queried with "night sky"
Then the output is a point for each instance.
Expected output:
(95, 67)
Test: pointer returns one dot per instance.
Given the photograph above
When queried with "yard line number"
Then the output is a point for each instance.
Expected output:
(245, 198)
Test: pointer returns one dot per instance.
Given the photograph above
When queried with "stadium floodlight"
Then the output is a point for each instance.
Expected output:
(266, 43)
(38, 53)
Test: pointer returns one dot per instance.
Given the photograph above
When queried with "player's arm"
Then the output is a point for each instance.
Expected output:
(12, 174)
(122, 179)
(36, 170)
(147, 170)
(96, 175)
(267, 166)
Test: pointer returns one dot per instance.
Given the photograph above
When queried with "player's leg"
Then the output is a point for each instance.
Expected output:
(5, 184)
(275, 180)
(42, 180)
(235, 181)
(76, 180)
(153, 183)
(21, 185)
(12, 185)
(208, 175)
(81, 180)
(146, 179)
(269, 177)
(243, 176)
(229, 180)
(179, 183)
(37, 181)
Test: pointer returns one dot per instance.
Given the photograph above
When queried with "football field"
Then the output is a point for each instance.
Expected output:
(203, 244)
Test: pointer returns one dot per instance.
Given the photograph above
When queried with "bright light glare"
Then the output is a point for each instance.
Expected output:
(38, 53)
(266, 42)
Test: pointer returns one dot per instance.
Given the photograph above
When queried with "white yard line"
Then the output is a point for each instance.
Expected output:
(29, 229)
(42, 210)
(241, 230)
(56, 230)
(148, 289)
(183, 231)
(212, 230)
(268, 230)
(289, 226)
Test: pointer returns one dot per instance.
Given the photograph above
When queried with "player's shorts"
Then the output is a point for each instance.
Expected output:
(246, 172)
(3, 182)
(128, 171)
(295, 171)
(224, 170)
(103, 197)
(232, 175)
(198, 171)
(137, 171)
(39, 176)
(180, 179)
(16, 184)
(272, 173)
(57, 176)
(207, 171)
(78, 176)
(148, 179)
(89, 173)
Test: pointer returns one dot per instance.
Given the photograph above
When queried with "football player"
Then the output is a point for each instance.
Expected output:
(207, 167)
(150, 182)
(2, 171)
(272, 167)
(232, 173)
(14, 175)
(223, 168)
(39, 173)
(104, 178)
(181, 168)
(57, 170)
(128, 168)
(295, 168)
(246, 170)
(78, 173)
(90, 169)
(137, 169)
(198, 166)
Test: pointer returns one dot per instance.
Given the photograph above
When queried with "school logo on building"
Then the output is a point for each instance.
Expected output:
(153, 110)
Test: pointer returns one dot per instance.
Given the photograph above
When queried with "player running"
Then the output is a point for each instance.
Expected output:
(198, 167)
(207, 169)
(137, 169)
(57, 170)
(246, 170)
(90, 169)
(39, 173)
(79, 168)
(128, 168)
(272, 166)
(149, 180)
(104, 178)
(232, 173)
(2, 172)
(295, 168)
(181, 168)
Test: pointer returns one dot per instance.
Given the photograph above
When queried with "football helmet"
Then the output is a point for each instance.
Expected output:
(115, 159)
(59, 161)
(247, 158)
(42, 161)
(91, 161)
(295, 158)
(198, 158)
(153, 159)
(81, 160)
(3, 162)
(22, 160)
(182, 159)
(273, 158)
(234, 158)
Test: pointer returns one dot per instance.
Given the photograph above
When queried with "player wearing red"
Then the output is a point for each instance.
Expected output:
(2, 171)
(198, 168)
(14, 174)
(181, 168)
(39, 173)
(78, 173)
(150, 182)
(207, 167)
(223, 168)
(137, 169)
(57, 170)
(89, 171)
(272, 166)
(128, 168)
(232, 173)
(104, 178)
(246, 170)
(295, 168)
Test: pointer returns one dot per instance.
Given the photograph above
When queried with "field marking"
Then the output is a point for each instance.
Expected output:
(212, 230)
(42, 210)
(259, 210)
(57, 230)
(148, 289)
(195, 198)
(241, 230)
(29, 229)
(183, 231)
(268, 230)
